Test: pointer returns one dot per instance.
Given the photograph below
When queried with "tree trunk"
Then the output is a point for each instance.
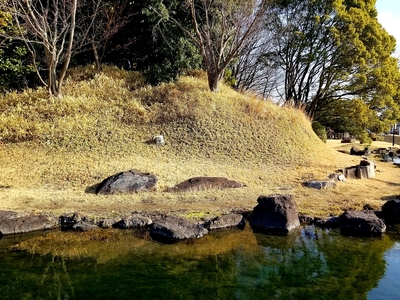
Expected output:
(96, 56)
(213, 80)
(51, 61)
(313, 107)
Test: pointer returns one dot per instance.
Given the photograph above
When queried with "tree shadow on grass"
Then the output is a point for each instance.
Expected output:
(388, 182)
(391, 197)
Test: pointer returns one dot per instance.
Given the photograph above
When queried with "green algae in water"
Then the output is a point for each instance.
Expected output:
(311, 263)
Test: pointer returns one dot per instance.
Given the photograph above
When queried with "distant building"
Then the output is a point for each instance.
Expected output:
(395, 128)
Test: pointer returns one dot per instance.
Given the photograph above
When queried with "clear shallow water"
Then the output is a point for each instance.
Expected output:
(389, 285)
(311, 263)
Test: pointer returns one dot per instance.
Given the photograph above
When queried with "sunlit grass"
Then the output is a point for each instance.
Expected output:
(53, 151)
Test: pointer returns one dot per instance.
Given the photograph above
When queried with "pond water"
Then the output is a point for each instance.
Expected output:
(310, 263)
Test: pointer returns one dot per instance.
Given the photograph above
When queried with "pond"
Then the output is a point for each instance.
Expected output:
(310, 263)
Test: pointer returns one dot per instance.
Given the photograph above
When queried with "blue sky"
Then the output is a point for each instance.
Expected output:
(389, 17)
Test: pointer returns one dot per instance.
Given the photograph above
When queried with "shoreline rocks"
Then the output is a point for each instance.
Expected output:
(170, 229)
(361, 223)
(226, 221)
(15, 223)
(274, 215)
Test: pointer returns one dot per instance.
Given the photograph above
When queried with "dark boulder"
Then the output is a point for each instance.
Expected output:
(361, 223)
(172, 229)
(126, 182)
(391, 211)
(226, 221)
(68, 220)
(16, 223)
(133, 221)
(275, 214)
(205, 183)
(356, 151)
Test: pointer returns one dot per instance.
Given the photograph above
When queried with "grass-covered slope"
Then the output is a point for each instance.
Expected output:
(53, 150)
(115, 111)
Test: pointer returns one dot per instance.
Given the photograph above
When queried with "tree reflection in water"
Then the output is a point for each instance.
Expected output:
(310, 263)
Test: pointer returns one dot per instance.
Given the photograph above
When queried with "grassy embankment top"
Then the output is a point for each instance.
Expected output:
(54, 150)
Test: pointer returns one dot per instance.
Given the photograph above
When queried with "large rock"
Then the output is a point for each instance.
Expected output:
(11, 223)
(171, 229)
(126, 182)
(356, 151)
(275, 214)
(205, 183)
(391, 211)
(320, 184)
(361, 223)
(226, 221)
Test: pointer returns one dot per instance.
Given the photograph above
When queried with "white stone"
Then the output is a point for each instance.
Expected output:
(159, 140)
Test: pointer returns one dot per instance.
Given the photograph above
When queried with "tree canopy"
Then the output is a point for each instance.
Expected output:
(313, 54)
(331, 50)
(220, 29)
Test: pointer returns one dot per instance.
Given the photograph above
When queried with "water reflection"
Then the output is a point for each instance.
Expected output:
(311, 263)
(388, 287)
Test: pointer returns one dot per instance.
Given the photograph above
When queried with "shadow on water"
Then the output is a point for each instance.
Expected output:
(310, 263)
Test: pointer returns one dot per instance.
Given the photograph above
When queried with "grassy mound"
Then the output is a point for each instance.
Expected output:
(116, 112)
(54, 150)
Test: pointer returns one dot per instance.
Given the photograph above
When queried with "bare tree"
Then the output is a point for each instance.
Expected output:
(97, 22)
(221, 29)
(51, 25)
(250, 71)
(63, 28)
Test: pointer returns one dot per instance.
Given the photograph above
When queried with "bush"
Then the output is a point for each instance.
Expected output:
(365, 138)
(320, 131)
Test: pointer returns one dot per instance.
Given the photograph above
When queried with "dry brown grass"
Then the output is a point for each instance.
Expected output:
(55, 150)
